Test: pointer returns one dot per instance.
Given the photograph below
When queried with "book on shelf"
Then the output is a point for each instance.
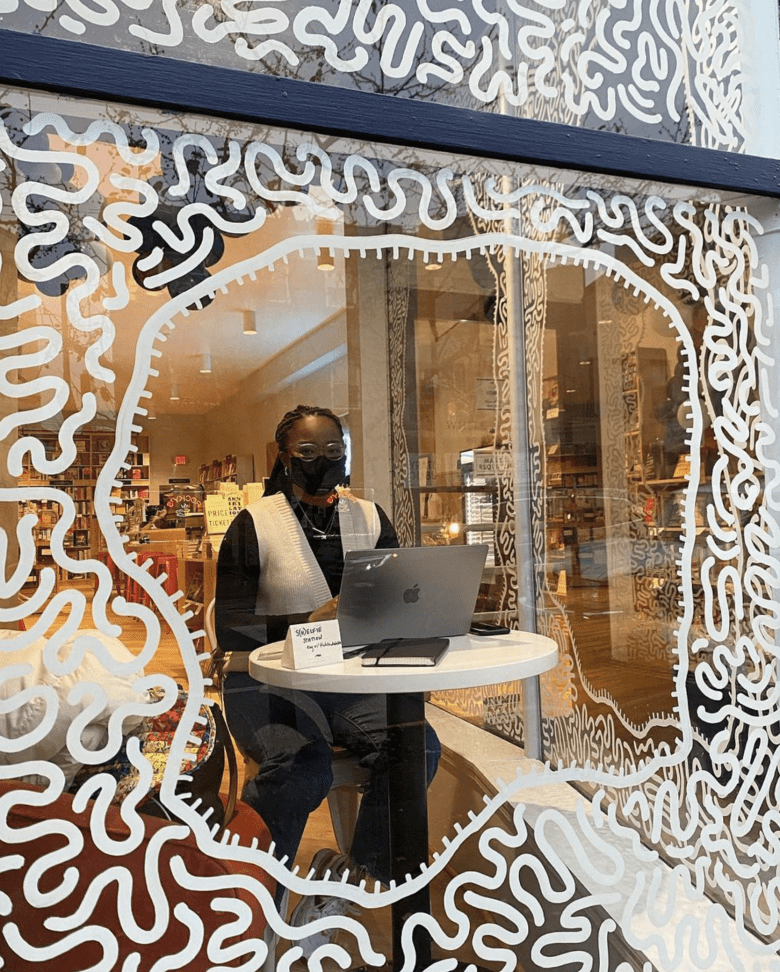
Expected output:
(195, 590)
(683, 468)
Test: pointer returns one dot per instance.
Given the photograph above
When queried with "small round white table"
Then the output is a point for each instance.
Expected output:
(469, 662)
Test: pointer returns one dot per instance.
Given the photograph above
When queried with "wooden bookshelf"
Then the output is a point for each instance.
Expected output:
(78, 481)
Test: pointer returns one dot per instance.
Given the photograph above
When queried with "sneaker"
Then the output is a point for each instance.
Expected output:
(326, 864)
(330, 860)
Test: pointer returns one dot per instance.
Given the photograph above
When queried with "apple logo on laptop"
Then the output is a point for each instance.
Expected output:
(412, 594)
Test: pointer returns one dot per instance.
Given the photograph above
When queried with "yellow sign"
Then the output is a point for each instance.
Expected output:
(221, 510)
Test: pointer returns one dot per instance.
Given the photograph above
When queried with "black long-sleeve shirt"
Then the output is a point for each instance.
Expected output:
(239, 628)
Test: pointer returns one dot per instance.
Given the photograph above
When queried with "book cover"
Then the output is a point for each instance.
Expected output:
(406, 651)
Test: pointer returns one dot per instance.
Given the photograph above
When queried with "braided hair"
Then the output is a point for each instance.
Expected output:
(302, 411)
(278, 481)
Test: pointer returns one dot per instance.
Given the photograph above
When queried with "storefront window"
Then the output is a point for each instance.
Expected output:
(567, 368)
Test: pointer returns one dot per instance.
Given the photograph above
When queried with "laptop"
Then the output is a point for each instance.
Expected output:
(409, 592)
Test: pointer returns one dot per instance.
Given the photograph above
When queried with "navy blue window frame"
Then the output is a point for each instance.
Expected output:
(85, 70)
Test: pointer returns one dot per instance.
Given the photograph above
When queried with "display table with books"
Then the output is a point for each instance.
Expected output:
(470, 661)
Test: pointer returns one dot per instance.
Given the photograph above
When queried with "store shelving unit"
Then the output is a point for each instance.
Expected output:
(231, 469)
(93, 451)
(575, 524)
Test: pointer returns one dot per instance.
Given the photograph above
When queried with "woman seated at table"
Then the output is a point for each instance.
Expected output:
(281, 563)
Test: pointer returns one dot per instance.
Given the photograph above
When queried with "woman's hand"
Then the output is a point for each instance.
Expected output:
(326, 612)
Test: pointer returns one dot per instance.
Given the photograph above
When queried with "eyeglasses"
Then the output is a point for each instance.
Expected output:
(308, 452)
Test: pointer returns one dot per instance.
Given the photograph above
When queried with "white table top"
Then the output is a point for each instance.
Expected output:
(470, 661)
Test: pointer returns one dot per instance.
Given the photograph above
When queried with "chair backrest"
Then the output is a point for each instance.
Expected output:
(216, 674)
(211, 631)
(215, 668)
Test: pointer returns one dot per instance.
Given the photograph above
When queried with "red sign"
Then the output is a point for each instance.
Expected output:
(180, 460)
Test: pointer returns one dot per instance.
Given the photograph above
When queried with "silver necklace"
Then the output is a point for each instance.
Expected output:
(320, 534)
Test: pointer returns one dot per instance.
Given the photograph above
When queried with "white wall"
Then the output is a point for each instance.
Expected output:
(169, 436)
(312, 371)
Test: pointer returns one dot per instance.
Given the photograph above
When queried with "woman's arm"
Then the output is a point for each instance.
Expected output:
(387, 534)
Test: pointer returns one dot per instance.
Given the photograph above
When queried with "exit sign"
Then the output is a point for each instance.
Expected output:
(180, 460)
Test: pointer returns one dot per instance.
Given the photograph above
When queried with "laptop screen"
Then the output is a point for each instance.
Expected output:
(409, 592)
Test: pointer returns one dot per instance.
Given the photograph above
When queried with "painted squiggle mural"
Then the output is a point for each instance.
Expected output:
(668, 70)
(713, 819)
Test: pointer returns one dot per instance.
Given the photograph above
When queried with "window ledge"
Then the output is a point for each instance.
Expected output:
(629, 881)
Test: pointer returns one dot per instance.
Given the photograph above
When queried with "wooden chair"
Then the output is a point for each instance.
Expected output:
(348, 776)
(39, 846)
(162, 564)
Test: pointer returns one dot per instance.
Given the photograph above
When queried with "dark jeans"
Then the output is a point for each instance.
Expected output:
(291, 735)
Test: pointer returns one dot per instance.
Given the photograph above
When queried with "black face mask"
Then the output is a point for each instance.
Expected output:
(318, 476)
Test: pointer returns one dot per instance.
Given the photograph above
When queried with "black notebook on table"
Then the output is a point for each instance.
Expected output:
(405, 651)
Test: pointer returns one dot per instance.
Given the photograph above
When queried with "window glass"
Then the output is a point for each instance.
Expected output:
(649, 69)
(572, 371)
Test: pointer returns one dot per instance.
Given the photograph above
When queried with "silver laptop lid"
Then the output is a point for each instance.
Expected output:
(409, 592)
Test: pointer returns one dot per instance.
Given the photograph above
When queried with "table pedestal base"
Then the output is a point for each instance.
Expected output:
(409, 823)
(408, 815)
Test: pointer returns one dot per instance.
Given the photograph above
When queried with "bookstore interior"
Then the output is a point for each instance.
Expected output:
(431, 419)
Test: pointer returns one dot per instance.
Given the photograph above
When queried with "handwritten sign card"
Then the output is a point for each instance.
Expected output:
(312, 644)
(220, 512)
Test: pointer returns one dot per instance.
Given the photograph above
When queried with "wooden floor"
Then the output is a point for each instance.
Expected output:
(642, 689)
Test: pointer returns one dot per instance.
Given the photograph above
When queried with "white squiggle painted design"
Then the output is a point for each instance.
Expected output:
(733, 653)
(673, 67)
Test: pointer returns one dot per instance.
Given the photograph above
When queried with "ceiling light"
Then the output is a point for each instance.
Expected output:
(205, 365)
(250, 321)
(174, 393)
(433, 262)
(325, 261)
(151, 415)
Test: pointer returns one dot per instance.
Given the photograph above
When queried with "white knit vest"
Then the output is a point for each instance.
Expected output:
(291, 581)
